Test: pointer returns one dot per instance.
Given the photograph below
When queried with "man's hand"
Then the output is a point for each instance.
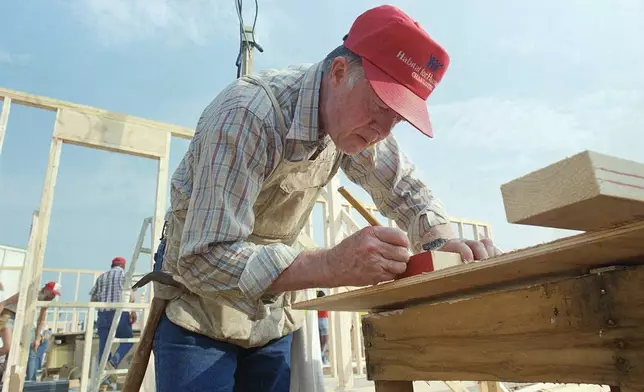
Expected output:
(471, 250)
(133, 318)
(372, 255)
(36, 343)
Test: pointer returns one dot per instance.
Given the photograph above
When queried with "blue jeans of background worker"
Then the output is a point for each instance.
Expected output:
(34, 362)
(124, 330)
(187, 361)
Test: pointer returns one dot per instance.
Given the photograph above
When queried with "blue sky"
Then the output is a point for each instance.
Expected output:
(529, 83)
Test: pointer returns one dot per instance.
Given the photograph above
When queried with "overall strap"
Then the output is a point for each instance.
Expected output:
(278, 109)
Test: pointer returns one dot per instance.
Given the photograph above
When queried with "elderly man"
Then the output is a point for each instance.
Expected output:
(262, 152)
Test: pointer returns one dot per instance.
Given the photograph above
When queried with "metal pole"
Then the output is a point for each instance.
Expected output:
(248, 44)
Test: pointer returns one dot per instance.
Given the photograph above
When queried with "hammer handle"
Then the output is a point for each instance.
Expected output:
(141, 356)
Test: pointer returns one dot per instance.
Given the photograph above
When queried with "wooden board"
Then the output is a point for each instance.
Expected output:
(46, 103)
(109, 134)
(587, 191)
(566, 255)
(577, 330)
(4, 118)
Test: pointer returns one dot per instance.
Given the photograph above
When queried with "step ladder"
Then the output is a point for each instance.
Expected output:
(130, 279)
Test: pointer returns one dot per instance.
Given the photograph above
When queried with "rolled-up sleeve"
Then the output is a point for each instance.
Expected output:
(232, 156)
(390, 179)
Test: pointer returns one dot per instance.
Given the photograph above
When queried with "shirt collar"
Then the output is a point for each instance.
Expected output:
(305, 124)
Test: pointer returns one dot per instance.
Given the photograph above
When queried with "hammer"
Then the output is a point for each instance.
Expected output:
(141, 356)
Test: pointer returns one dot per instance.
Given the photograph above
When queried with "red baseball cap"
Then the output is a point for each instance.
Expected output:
(401, 61)
(118, 260)
(53, 287)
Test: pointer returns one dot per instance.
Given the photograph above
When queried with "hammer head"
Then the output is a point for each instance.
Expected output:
(161, 277)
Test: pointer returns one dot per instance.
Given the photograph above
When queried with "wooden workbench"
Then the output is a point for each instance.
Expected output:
(567, 311)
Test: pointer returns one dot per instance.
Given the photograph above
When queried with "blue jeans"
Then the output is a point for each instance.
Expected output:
(34, 361)
(123, 330)
(186, 361)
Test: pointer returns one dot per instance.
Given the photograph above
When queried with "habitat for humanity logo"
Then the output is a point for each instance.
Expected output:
(419, 73)
(433, 64)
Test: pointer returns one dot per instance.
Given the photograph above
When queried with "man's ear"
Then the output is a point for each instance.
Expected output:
(339, 71)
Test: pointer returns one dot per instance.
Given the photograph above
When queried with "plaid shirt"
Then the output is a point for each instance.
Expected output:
(237, 144)
(109, 286)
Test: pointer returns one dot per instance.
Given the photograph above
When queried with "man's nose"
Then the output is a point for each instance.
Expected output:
(390, 120)
(385, 127)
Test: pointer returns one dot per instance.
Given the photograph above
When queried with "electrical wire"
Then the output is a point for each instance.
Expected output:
(242, 36)
(255, 19)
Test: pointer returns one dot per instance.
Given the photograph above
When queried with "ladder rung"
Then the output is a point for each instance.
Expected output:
(125, 340)
(116, 371)
(146, 250)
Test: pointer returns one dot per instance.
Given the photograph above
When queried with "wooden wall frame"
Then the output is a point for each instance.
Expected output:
(96, 129)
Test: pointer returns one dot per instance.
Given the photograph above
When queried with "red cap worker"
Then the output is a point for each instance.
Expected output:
(8, 310)
(263, 150)
(109, 288)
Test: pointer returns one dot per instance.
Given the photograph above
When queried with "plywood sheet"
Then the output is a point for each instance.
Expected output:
(577, 253)
(579, 330)
(587, 191)
(110, 134)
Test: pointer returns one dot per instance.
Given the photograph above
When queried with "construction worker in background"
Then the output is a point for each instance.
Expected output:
(262, 152)
(323, 326)
(109, 288)
(8, 316)
(42, 349)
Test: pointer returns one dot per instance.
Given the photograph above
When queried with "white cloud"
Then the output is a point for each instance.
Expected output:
(516, 125)
(107, 179)
(532, 130)
(13, 58)
(195, 21)
(571, 30)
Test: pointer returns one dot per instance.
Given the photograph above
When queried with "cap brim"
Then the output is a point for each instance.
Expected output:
(399, 98)
(56, 292)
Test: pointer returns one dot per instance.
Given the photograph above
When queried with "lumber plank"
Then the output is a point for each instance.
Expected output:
(4, 118)
(109, 134)
(563, 256)
(490, 386)
(46, 103)
(588, 191)
(578, 330)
